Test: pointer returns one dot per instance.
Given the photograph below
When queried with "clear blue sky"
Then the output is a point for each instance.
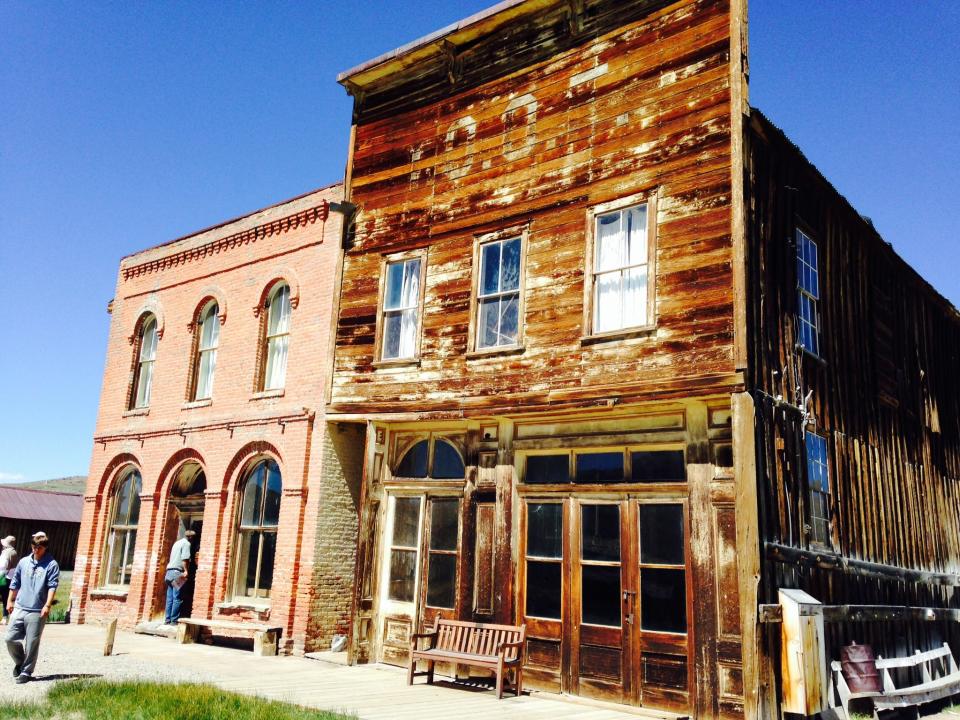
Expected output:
(123, 125)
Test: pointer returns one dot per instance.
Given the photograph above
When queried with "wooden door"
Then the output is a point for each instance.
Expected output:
(399, 577)
(600, 618)
(440, 561)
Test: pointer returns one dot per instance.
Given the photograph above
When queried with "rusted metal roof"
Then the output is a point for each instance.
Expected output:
(22, 504)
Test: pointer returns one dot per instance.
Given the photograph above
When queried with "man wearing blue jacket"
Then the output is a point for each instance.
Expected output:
(32, 588)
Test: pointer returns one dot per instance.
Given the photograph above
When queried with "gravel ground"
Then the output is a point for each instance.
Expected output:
(63, 661)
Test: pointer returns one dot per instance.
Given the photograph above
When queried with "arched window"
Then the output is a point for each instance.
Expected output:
(257, 531)
(145, 354)
(444, 463)
(122, 535)
(276, 338)
(206, 361)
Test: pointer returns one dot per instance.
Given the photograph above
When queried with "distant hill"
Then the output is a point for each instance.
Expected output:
(75, 485)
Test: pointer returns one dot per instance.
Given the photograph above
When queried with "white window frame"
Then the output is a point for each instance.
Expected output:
(591, 274)
(272, 340)
(211, 313)
(383, 312)
(146, 359)
(474, 349)
(123, 529)
(808, 292)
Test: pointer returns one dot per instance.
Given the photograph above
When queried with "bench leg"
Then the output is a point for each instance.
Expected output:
(411, 670)
(500, 681)
(430, 672)
(519, 687)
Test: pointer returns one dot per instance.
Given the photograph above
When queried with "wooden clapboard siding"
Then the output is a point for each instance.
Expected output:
(886, 397)
(652, 116)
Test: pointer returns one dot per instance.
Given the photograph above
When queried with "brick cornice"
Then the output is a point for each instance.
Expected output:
(250, 235)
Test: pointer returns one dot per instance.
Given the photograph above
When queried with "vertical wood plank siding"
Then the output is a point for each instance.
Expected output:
(886, 397)
(634, 109)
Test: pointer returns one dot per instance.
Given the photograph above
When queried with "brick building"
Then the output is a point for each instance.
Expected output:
(211, 418)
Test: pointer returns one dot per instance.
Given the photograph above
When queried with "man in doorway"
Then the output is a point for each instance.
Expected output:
(178, 572)
(32, 588)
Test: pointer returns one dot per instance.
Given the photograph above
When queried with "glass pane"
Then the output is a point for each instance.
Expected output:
(406, 521)
(509, 319)
(489, 268)
(279, 318)
(271, 501)
(600, 589)
(402, 574)
(276, 372)
(208, 364)
(447, 464)
(663, 600)
(123, 500)
(658, 465)
(393, 295)
(414, 463)
(635, 297)
(269, 540)
(547, 469)
(544, 590)
(661, 534)
(253, 497)
(600, 532)
(144, 383)
(609, 242)
(408, 334)
(442, 581)
(148, 340)
(133, 517)
(115, 544)
(609, 302)
(510, 265)
(392, 333)
(247, 559)
(130, 545)
(411, 284)
(600, 467)
(210, 330)
(489, 323)
(637, 234)
(444, 521)
(545, 530)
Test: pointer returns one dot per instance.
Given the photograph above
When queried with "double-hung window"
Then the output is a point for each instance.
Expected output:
(401, 309)
(808, 294)
(498, 294)
(207, 342)
(277, 338)
(146, 355)
(621, 280)
(818, 482)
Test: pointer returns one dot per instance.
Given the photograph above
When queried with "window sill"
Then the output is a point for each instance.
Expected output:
(398, 362)
(136, 412)
(112, 593)
(496, 352)
(240, 605)
(206, 402)
(267, 394)
(613, 335)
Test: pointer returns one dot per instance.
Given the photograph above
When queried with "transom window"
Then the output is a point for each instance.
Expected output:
(435, 458)
(277, 338)
(818, 482)
(808, 293)
(401, 309)
(257, 531)
(618, 465)
(621, 272)
(207, 342)
(146, 355)
(498, 294)
(122, 536)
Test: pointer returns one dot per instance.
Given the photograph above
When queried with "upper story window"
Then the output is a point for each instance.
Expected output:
(206, 360)
(498, 293)
(435, 458)
(257, 531)
(808, 294)
(145, 354)
(401, 309)
(818, 482)
(122, 534)
(276, 338)
(621, 280)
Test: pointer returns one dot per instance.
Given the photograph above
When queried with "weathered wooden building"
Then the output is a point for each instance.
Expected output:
(627, 364)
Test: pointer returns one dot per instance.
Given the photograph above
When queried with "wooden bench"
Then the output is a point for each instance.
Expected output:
(938, 673)
(494, 647)
(265, 637)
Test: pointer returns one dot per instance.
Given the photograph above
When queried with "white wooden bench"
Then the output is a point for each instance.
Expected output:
(939, 679)
(266, 638)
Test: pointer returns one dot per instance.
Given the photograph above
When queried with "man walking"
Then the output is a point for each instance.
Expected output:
(32, 588)
(178, 572)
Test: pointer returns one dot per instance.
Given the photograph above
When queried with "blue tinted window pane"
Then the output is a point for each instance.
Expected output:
(600, 467)
(446, 462)
(510, 265)
(490, 268)
(271, 500)
(547, 469)
(658, 466)
(394, 292)
(414, 463)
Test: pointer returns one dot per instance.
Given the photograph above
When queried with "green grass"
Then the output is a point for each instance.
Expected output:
(101, 700)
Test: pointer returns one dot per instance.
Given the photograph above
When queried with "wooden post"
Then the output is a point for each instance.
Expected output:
(111, 634)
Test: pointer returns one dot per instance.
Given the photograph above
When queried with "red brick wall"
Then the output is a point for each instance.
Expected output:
(235, 263)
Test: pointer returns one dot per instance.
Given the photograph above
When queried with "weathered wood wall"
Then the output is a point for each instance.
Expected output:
(641, 108)
(886, 396)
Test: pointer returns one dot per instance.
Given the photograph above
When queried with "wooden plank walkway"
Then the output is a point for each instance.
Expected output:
(372, 692)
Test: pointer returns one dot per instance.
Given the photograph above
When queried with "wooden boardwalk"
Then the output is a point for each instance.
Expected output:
(371, 692)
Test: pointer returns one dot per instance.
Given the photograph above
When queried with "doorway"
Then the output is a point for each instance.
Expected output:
(603, 591)
(184, 512)
(419, 568)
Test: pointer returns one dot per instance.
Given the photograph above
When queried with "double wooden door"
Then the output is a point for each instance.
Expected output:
(604, 595)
